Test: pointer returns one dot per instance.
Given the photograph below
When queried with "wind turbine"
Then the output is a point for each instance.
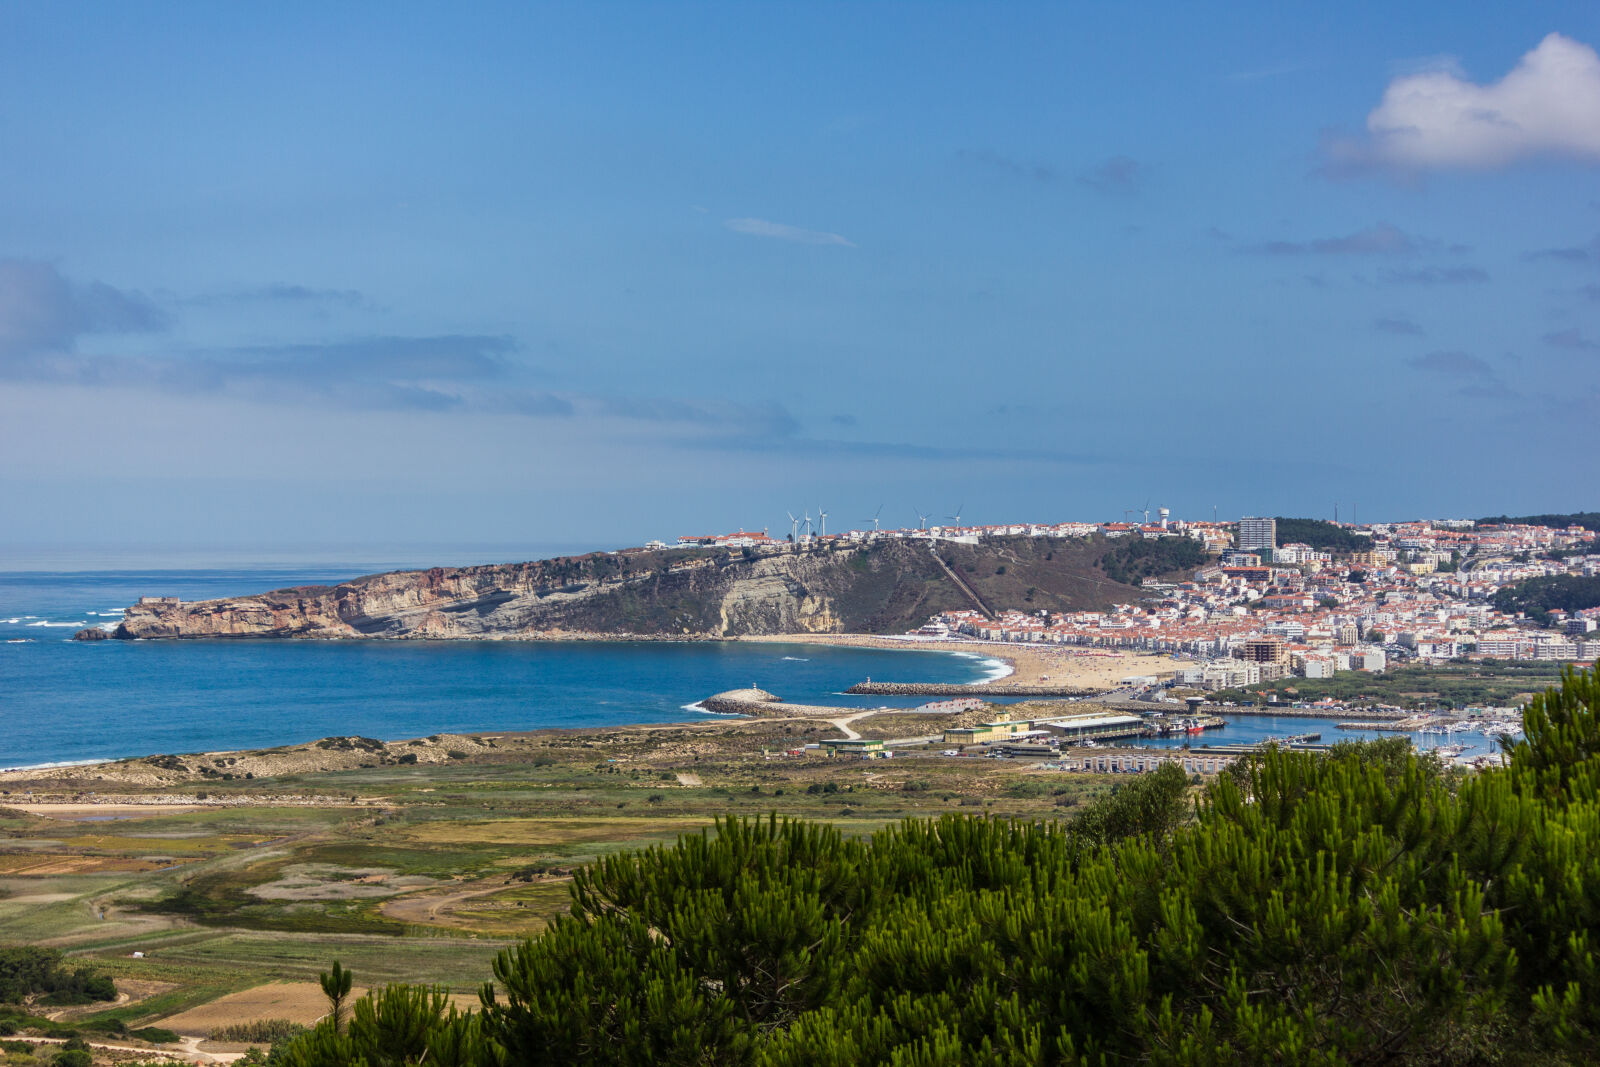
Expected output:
(1146, 510)
(874, 519)
(823, 516)
(922, 520)
(957, 516)
(808, 523)
(794, 528)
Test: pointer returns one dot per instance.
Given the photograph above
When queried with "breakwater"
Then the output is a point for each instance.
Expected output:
(1374, 715)
(977, 689)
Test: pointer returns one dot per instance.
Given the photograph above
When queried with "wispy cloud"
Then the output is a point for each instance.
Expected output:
(1006, 165)
(1434, 276)
(1455, 364)
(43, 312)
(1586, 253)
(727, 421)
(1397, 324)
(1472, 376)
(284, 294)
(1382, 239)
(1436, 119)
(784, 232)
(1571, 339)
(1118, 175)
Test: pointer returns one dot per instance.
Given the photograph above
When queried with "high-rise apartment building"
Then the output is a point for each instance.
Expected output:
(1257, 533)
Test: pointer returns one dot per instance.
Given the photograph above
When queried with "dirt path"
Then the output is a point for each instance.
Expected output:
(432, 906)
(843, 723)
(189, 1050)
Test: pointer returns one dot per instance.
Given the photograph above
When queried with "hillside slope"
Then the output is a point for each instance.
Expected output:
(886, 587)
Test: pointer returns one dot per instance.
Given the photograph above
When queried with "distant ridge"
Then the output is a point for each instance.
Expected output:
(883, 586)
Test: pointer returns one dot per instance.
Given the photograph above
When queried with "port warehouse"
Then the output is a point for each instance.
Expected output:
(1029, 739)
(1077, 727)
(1124, 763)
(1094, 763)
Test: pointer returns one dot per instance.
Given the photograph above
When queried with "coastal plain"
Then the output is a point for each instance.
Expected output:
(191, 878)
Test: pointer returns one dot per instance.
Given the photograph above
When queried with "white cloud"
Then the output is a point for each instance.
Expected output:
(764, 228)
(1548, 105)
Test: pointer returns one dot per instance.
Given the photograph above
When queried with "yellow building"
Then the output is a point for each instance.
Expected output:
(1002, 729)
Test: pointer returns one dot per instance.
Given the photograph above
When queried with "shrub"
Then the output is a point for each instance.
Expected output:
(28, 971)
(1353, 907)
(156, 1035)
(264, 1031)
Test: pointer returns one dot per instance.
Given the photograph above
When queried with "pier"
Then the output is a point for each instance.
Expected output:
(979, 689)
(1287, 712)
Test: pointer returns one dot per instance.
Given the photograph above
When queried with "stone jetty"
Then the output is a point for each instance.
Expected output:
(977, 689)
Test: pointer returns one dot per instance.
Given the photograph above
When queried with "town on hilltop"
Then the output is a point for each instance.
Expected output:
(1341, 597)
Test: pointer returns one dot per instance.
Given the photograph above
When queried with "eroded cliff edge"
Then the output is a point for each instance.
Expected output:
(884, 586)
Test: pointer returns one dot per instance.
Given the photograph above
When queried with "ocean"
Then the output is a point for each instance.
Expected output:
(66, 701)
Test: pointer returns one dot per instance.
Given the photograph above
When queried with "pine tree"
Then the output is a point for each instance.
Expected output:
(1365, 906)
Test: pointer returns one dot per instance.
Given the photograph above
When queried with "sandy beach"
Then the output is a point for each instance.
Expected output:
(1030, 664)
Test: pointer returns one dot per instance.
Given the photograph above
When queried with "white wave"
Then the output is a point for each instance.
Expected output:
(19, 640)
(995, 669)
(115, 611)
(46, 623)
(797, 659)
(58, 763)
(109, 627)
(707, 711)
(12, 622)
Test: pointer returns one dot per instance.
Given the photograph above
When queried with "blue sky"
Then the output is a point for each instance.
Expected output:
(594, 273)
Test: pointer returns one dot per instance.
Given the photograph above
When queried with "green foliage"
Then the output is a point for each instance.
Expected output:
(1538, 596)
(1589, 520)
(28, 971)
(1498, 682)
(1365, 906)
(1149, 804)
(336, 987)
(156, 1035)
(1321, 535)
(1133, 559)
(262, 1031)
(395, 1027)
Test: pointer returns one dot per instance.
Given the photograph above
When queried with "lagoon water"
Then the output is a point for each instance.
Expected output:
(64, 700)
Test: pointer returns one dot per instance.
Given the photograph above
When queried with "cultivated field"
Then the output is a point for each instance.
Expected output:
(419, 872)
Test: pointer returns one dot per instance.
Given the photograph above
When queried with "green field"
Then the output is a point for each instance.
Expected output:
(424, 873)
(1495, 683)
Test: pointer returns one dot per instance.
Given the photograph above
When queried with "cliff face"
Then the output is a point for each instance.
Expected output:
(885, 587)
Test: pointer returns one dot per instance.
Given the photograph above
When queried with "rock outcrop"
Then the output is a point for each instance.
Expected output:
(884, 586)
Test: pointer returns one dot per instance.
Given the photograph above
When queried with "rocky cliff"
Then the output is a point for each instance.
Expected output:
(887, 586)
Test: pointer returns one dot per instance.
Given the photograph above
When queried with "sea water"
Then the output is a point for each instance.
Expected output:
(65, 701)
